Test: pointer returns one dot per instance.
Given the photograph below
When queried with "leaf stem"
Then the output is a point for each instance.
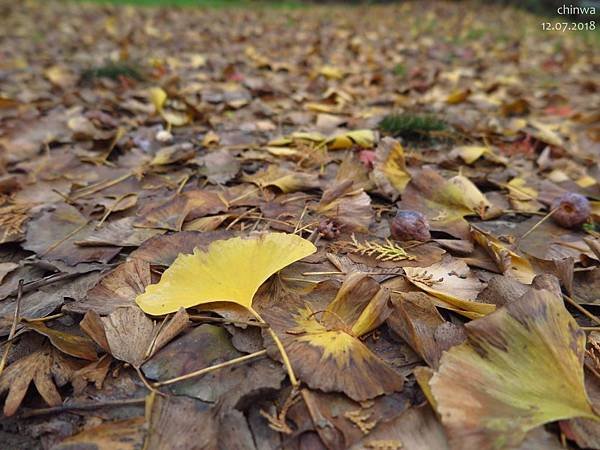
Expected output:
(282, 352)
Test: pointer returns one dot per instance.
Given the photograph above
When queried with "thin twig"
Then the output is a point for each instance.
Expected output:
(240, 217)
(13, 328)
(299, 279)
(300, 218)
(581, 309)
(65, 238)
(335, 272)
(524, 213)
(47, 318)
(97, 187)
(182, 184)
(200, 372)
(112, 207)
(82, 407)
(228, 321)
(541, 221)
(33, 285)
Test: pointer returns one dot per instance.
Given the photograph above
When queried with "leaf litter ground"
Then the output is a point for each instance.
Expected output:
(327, 227)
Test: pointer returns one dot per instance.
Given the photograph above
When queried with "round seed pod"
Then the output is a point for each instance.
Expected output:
(571, 210)
(410, 226)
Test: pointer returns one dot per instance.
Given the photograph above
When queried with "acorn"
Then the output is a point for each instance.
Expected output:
(571, 210)
(410, 226)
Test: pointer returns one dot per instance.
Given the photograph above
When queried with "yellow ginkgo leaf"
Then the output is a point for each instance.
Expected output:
(468, 195)
(362, 138)
(158, 97)
(176, 118)
(284, 179)
(230, 270)
(520, 368)
(522, 196)
(321, 107)
(389, 169)
(470, 153)
(333, 73)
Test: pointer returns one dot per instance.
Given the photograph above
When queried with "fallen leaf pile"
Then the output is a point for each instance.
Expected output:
(328, 227)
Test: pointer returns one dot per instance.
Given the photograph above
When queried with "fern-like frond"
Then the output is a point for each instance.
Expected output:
(383, 252)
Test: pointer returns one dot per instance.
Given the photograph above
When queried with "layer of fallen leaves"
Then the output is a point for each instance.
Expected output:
(199, 206)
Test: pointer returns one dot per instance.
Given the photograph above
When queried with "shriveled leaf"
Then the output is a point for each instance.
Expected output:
(351, 209)
(523, 197)
(46, 368)
(188, 206)
(416, 320)
(415, 429)
(342, 423)
(163, 250)
(95, 372)
(120, 233)
(440, 201)
(71, 344)
(508, 261)
(202, 347)
(219, 166)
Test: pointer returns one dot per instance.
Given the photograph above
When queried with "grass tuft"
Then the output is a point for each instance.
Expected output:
(412, 126)
(113, 71)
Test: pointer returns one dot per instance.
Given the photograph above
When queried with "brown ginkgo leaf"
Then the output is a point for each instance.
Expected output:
(45, 368)
(324, 346)
(131, 336)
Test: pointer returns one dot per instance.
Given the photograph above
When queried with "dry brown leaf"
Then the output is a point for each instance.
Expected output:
(129, 335)
(125, 434)
(54, 233)
(118, 288)
(323, 346)
(45, 368)
(71, 344)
